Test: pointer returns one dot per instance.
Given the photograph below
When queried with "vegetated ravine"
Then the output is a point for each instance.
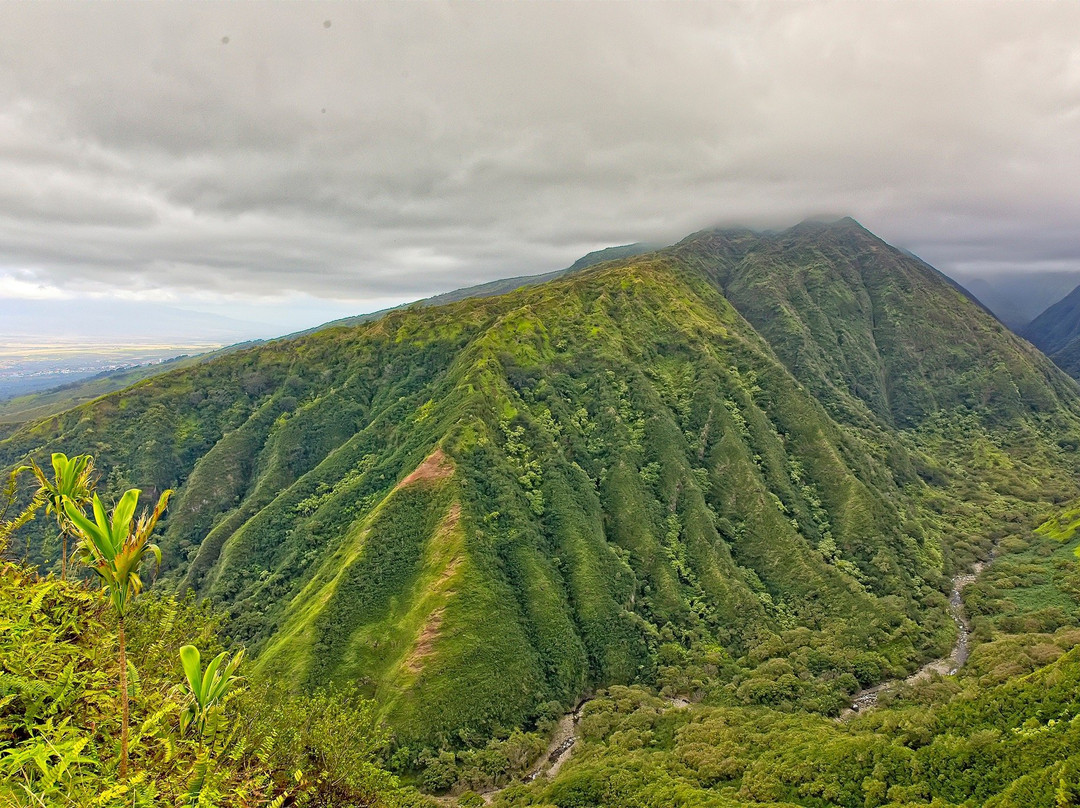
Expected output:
(566, 736)
(744, 468)
(867, 698)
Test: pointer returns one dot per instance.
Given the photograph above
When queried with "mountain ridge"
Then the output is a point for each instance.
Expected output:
(51, 400)
(709, 446)
(492, 288)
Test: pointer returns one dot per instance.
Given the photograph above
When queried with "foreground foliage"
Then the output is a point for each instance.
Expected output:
(60, 735)
(114, 548)
(72, 483)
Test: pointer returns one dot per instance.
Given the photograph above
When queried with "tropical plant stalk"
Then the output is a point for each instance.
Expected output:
(124, 707)
(71, 482)
(115, 550)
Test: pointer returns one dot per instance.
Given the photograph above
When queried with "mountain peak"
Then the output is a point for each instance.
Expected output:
(848, 314)
(844, 222)
(844, 226)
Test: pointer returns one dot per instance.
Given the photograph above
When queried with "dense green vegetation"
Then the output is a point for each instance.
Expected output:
(741, 470)
(59, 728)
(1012, 745)
(1005, 732)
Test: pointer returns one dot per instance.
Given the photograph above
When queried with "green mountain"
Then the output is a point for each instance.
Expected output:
(1057, 332)
(740, 445)
(874, 329)
(34, 406)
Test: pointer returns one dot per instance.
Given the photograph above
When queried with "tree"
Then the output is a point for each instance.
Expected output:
(70, 483)
(115, 551)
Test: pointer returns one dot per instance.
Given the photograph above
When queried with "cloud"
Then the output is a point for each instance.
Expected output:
(412, 148)
(14, 287)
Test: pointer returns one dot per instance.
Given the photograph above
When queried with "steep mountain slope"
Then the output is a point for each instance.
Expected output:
(484, 508)
(870, 327)
(1056, 332)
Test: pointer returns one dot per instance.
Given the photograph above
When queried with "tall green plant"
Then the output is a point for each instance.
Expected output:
(208, 689)
(71, 482)
(115, 550)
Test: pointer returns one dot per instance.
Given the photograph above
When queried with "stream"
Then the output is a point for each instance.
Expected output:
(945, 666)
(566, 734)
(562, 744)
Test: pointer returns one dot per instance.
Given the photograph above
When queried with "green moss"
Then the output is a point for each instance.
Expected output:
(1061, 527)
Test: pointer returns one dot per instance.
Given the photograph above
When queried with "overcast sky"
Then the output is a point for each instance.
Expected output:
(337, 158)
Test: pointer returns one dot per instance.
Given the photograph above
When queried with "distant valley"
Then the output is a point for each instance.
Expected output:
(726, 485)
(1019, 297)
(32, 365)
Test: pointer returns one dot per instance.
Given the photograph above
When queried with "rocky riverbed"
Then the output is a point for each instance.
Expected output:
(945, 666)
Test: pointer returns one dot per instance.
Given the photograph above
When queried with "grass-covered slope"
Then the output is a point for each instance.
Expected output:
(853, 317)
(480, 509)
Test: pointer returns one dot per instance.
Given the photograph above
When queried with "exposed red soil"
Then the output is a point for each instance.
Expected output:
(436, 466)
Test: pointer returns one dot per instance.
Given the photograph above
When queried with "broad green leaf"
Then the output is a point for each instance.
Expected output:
(208, 678)
(123, 514)
(99, 514)
(191, 660)
(85, 526)
(60, 466)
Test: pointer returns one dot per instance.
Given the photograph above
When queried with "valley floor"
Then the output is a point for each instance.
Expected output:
(867, 698)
